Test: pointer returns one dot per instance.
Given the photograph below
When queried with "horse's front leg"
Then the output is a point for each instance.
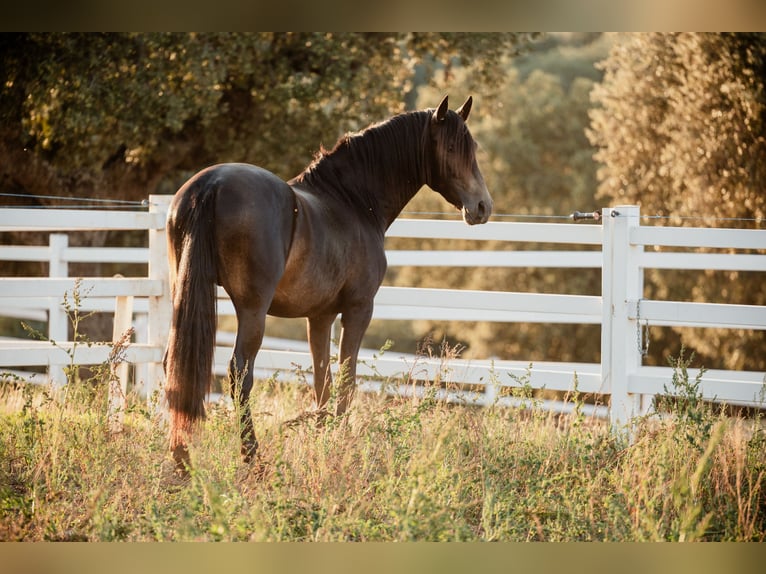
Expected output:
(354, 323)
(319, 329)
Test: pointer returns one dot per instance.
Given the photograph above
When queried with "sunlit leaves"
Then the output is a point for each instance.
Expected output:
(680, 123)
(171, 99)
(681, 130)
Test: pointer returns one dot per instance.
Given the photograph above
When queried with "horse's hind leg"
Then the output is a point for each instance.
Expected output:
(250, 329)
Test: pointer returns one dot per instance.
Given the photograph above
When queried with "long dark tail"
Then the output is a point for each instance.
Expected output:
(189, 358)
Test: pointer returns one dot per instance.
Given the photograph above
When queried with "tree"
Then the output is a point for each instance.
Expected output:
(126, 115)
(680, 126)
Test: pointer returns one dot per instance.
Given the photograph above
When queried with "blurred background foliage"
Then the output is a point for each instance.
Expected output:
(679, 123)
(672, 122)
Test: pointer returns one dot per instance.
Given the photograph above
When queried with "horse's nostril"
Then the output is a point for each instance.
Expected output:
(481, 209)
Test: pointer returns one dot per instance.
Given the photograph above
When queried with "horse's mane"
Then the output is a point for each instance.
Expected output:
(365, 168)
(378, 159)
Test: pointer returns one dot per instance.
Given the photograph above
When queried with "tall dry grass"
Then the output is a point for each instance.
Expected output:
(391, 470)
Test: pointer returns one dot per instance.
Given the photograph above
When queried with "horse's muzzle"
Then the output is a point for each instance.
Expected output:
(480, 214)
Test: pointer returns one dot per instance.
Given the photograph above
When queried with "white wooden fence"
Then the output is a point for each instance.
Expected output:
(620, 309)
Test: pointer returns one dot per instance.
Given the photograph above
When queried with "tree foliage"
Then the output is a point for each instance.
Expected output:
(680, 126)
(126, 115)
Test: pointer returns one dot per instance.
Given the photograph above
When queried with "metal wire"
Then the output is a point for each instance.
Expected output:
(116, 203)
(494, 215)
(642, 336)
(78, 206)
(697, 218)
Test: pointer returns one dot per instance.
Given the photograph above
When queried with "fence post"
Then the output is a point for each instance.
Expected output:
(58, 321)
(160, 307)
(140, 336)
(622, 286)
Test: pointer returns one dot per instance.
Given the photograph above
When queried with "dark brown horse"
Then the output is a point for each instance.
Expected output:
(311, 247)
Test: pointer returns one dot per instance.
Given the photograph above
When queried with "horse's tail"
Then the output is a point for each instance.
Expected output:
(189, 356)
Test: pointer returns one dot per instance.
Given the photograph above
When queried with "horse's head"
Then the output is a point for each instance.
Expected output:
(454, 171)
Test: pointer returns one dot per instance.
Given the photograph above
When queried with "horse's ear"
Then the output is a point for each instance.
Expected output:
(465, 109)
(441, 111)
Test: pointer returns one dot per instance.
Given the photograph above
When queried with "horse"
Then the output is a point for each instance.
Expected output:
(309, 247)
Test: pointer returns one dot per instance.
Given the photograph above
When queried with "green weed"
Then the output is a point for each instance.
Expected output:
(391, 469)
(685, 401)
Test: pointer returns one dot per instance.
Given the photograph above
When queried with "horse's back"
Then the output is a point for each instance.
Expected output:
(245, 195)
(234, 184)
(242, 179)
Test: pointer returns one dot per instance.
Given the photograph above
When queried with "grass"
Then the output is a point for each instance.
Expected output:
(390, 470)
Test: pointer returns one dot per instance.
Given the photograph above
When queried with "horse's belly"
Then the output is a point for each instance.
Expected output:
(299, 296)
(309, 292)
(283, 306)
(300, 304)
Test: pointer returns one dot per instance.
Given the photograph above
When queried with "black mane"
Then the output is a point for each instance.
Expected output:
(381, 159)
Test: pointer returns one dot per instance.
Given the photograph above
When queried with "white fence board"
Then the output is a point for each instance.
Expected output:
(75, 254)
(702, 261)
(106, 255)
(619, 252)
(742, 387)
(497, 231)
(445, 258)
(89, 287)
(43, 353)
(699, 237)
(412, 313)
(36, 308)
(9, 309)
(700, 314)
(544, 303)
(543, 375)
(77, 220)
(25, 252)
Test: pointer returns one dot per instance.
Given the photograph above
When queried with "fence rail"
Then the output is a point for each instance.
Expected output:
(617, 247)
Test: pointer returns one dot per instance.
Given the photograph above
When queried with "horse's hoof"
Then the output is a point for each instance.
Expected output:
(258, 469)
(173, 476)
(319, 416)
(249, 450)
(179, 478)
(181, 456)
(322, 417)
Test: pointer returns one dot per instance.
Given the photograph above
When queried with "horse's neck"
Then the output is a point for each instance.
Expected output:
(396, 200)
(383, 199)
(414, 174)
